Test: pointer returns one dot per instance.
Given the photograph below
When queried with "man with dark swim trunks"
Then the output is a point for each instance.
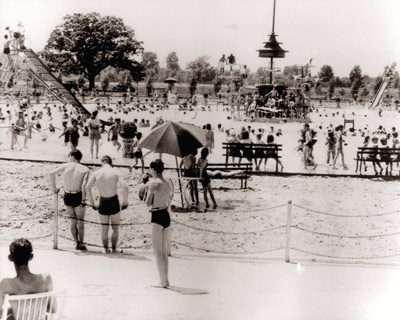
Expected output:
(75, 178)
(107, 180)
(159, 198)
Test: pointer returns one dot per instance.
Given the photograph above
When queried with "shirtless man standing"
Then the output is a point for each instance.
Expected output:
(107, 179)
(75, 178)
(25, 282)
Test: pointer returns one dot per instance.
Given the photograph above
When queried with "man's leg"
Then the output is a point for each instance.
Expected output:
(115, 221)
(142, 161)
(105, 220)
(74, 229)
(25, 139)
(165, 250)
(211, 194)
(80, 214)
(157, 237)
(97, 147)
(91, 146)
(205, 195)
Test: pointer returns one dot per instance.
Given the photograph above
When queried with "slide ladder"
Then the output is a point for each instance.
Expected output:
(7, 70)
(40, 71)
(385, 81)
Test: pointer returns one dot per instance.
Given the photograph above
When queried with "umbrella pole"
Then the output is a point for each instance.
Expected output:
(179, 179)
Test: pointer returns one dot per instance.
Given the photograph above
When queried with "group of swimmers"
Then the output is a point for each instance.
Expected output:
(78, 184)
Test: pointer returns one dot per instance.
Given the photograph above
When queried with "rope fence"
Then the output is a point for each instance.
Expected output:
(345, 215)
(287, 229)
(27, 199)
(225, 252)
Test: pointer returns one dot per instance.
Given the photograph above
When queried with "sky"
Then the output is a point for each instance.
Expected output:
(340, 33)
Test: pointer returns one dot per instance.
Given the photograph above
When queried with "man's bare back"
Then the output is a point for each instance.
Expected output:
(27, 284)
(74, 174)
(106, 180)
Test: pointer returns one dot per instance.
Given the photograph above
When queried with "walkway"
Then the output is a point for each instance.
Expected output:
(118, 287)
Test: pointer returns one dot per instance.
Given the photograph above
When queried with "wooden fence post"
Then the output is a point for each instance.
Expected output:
(288, 228)
(55, 235)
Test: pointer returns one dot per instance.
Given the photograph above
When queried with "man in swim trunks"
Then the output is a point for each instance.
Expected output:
(107, 180)
(158, 199)
(114, 130)
(75, 178)
(25, 282)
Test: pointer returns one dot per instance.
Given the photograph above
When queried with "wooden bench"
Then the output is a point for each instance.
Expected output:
(377, 156)
(251, 151)
(243, 171)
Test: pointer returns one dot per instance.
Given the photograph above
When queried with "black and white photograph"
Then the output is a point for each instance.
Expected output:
(187, 160)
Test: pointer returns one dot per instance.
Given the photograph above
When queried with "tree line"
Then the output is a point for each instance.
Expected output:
(103, 48)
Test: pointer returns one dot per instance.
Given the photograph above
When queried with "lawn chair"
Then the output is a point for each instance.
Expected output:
(37, 306)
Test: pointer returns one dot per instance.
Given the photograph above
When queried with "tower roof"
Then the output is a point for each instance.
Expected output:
(272, 49)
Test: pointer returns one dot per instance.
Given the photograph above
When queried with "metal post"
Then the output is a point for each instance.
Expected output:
(288, 228)
(179, 179)
(55, 239)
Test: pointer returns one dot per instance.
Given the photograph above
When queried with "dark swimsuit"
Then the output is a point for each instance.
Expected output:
(138, 154)
(109, 206)
(73, 199)
(74, 137)
(161, 217)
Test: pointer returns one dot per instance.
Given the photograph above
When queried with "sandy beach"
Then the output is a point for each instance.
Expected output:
(342, 218)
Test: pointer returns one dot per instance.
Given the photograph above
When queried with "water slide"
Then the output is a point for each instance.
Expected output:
(379, 94)
(385, 81)
(55, 87)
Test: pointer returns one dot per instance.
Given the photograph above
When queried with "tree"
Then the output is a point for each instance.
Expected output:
(87, 44)
(193, 86)
(150, 64)
(331, 90)
(217, 86)
(396, 80)
(172, 64)
(326, 73)
(290, 71)
(355, 73)
(378, 83)
(364, 93)
(105, 83)
(201, 69)
(356, 80)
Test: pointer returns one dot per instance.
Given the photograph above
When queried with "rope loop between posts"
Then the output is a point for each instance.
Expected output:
(27, 199)
(18, 220)
(262, 209)
(30, 238)
(344, 215)
(226, 232)
(225, 252)
(106, 224)
(345, 236)
(347, 258)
